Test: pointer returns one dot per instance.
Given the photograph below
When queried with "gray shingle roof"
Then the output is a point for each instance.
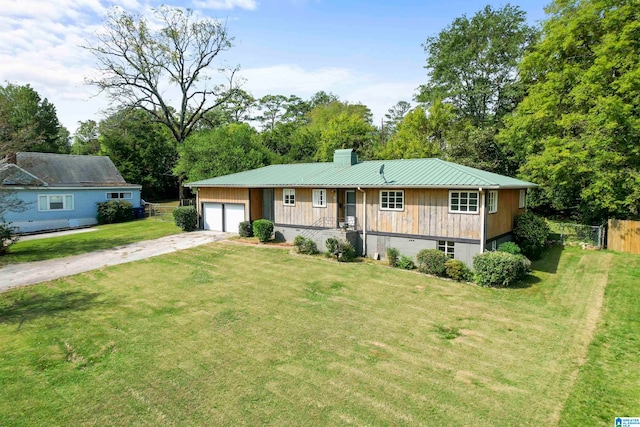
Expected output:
(59, 170)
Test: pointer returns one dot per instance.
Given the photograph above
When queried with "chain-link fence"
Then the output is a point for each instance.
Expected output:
(579, 234)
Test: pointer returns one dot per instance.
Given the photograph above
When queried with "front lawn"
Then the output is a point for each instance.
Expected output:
(227, 334)
(105, 237)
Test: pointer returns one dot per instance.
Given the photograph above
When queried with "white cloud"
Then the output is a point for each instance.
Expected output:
(290, 79)
(226, 4)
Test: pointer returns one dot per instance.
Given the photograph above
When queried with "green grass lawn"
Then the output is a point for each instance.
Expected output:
(227, 334)
(105, 236)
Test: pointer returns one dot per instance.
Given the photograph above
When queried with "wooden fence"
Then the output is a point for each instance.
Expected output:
(624, 236)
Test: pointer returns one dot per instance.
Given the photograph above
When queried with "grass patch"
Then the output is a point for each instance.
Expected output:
(608, 384)
(107, 236)
(204, 337)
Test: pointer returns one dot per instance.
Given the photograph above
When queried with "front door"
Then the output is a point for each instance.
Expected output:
(350, 207)
(267, 204)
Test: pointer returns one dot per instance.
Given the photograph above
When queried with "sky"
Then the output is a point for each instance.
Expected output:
(367, 52)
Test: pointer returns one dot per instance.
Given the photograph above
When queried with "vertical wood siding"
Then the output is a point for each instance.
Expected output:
(624, 236)
(303, 213)
(501, 222)
(255, 195)
(426, 212)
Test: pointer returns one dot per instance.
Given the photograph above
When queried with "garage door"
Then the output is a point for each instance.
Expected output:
(233, 216)
(212, 216)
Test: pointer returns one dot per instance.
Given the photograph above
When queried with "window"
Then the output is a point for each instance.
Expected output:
(55, 202)
(447, 247)
(463, 201)
(391, 200)
(493, 201)
(320, 198)
(116, 195)
(289, 196)
(522, 202)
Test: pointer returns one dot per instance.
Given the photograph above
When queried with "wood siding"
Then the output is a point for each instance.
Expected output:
(303, 213)
(501, 222)
(255, 212)
(426, 212)
(624, 236)
(224, 195)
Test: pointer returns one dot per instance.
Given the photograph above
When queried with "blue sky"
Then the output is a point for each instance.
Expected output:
(363, 51)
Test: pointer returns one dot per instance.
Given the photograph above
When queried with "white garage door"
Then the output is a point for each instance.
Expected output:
(212, 216)
(233, 216)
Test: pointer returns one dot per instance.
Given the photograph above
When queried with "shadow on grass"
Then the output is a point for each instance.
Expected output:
(30, 307)
(550, 260)
(41, 250)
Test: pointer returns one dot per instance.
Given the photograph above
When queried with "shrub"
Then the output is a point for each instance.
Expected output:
(431, 261)
(457, 270)
(510, 248)
(245, 229)
(6, 236)
(304, 245)
(263, 229)
(530, 233)
(497, 269)
(113, 211)
(186, 217)
(392, 256)
(341, 249)
(406, 263)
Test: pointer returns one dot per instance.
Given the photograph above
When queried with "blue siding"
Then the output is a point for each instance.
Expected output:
(84, 208)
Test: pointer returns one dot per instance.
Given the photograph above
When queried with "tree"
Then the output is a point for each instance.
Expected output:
(142, 150)
(395, 116)
(85, 140)
(141, 67)
(577, 132)
(412, 139)
(227, 149)
(472, 63)
(29, 123)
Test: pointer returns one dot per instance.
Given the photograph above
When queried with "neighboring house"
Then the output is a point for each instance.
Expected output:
(408, 204)
(61, 191)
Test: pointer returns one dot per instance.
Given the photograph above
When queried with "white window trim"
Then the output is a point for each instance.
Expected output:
(522, 199)
(323, 197)
(447, 245)
(392, 209)
(64, 198)
(119, 193)
(477, 211)
(291, 191)
(492, 201)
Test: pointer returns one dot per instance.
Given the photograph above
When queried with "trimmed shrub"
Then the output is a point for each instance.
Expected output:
(113, 211)
(305, 246)
(6, 236)
(186, 217)
(431, 261)
(530, 233)
(263, 229)
(342, 250)
(245, 229)
(457, 270)
(406, 262)
(510, 248)
(497, 269)
(392, 256)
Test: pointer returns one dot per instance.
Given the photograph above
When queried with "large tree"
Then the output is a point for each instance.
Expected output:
(85, 140)
(578, 130)
(472, 63)
(164, 67)
(29, 123)
(142, 150)
(230, 148)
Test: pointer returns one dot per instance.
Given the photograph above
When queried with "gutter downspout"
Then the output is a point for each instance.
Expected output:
(364, 222)
(483, 221)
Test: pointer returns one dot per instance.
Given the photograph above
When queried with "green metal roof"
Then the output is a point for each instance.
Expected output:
(406, 173)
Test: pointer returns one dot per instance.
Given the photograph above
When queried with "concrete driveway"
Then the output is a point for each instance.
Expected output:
(23, 274)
